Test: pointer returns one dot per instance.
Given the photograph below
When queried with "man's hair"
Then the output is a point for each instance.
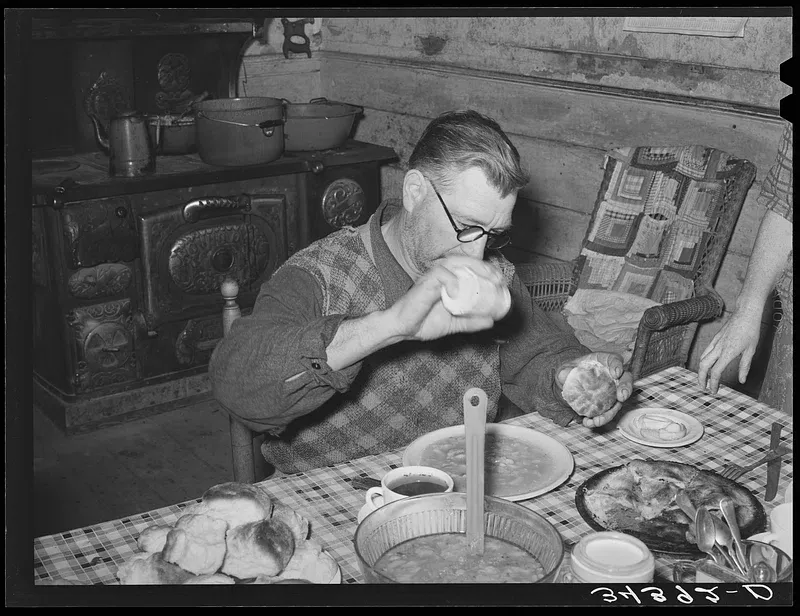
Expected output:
(458, 140)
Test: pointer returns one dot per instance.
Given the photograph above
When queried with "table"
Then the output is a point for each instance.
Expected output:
(737, 428)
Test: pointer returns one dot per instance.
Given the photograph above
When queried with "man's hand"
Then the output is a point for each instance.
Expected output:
(420, 314)
(615, 365)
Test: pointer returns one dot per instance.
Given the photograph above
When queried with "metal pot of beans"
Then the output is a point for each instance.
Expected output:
(422, 539)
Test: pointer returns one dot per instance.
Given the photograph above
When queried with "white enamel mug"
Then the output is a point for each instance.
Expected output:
(408, 481)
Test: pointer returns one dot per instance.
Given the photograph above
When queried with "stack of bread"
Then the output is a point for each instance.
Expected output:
(235, 534)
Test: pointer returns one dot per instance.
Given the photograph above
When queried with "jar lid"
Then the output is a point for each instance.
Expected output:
(612, 556)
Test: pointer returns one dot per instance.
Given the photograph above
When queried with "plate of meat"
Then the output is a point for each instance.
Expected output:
(638, 498)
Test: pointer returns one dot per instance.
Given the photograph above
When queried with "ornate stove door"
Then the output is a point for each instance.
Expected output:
(341, 196)
(188, 250)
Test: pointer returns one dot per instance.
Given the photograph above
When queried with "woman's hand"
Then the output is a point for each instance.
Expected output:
(738, 336)
(616, 367)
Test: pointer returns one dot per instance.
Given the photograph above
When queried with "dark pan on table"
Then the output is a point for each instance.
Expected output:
(667, 535)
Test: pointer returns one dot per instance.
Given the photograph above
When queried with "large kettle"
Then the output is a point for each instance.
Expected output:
(127, 143)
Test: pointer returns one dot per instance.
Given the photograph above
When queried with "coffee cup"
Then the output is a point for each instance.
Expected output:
(780, 533)
(408, 481)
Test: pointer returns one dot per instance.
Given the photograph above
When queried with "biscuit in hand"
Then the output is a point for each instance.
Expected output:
(590, 389)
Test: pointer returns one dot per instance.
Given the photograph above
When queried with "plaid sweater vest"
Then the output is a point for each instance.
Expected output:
(402, 391)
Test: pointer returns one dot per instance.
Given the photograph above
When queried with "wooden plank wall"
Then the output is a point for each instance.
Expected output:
(566, 90)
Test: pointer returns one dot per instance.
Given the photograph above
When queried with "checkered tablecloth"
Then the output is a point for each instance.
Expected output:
(737, 428)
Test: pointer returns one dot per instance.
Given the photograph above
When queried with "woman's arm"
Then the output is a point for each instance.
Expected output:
(740, 334)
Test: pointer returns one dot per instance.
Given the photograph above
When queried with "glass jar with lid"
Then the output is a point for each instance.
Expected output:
(609, 557)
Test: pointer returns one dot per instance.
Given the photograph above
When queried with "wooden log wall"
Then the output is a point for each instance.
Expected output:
(566, 90)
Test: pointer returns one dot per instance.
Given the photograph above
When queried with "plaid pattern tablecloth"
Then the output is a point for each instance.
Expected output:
(737, 428)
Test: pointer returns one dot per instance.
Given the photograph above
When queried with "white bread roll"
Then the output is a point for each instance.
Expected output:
(299, 526)
(196, 544)
(236, 503)
(153, 538)
(476, 295)
(590, 389)
(310, 563)
(144, 568)
(258, 548)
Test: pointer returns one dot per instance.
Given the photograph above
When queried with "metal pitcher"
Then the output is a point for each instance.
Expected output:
(127, 143)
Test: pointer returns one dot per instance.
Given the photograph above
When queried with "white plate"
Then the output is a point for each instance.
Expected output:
(630, 430)
(558, 468)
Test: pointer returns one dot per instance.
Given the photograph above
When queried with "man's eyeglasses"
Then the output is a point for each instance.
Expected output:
(474, 232)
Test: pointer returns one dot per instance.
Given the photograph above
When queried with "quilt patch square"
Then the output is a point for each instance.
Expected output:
(635, 280)
(613, 228)
(671, 286)
(699, 204)
(684, 246)
(663, 196)
(634, 184)
(599, 271)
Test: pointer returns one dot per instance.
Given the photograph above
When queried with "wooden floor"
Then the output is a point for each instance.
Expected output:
(126, 468)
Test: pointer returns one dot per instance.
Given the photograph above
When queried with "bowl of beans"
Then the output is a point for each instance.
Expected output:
(422, 540)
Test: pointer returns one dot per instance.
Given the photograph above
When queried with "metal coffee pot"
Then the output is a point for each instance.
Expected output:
(127, 143)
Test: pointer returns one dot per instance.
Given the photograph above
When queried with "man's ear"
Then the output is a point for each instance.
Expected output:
(415, 189)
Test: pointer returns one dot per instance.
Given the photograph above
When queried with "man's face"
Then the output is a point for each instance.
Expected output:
(428, 234)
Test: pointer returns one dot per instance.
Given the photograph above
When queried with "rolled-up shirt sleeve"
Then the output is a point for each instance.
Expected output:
(777, 191)
(272, 366)
(534, 350)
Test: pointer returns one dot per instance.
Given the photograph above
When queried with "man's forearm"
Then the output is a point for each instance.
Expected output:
(360, 337)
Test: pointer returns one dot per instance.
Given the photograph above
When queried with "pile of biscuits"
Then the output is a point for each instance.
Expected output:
(235, 534)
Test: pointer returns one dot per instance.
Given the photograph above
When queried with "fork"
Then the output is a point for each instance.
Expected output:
(734, 471)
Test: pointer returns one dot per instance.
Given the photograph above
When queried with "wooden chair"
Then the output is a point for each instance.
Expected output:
(249, 465)
(633, 177)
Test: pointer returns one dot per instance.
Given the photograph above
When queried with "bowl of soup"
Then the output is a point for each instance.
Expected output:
(422, 540)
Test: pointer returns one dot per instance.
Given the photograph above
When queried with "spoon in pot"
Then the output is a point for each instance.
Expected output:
(475, 428)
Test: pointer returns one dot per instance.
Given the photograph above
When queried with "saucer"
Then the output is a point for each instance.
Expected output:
(630, 428)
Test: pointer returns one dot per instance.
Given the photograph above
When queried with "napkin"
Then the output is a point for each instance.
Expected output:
(606, 320)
